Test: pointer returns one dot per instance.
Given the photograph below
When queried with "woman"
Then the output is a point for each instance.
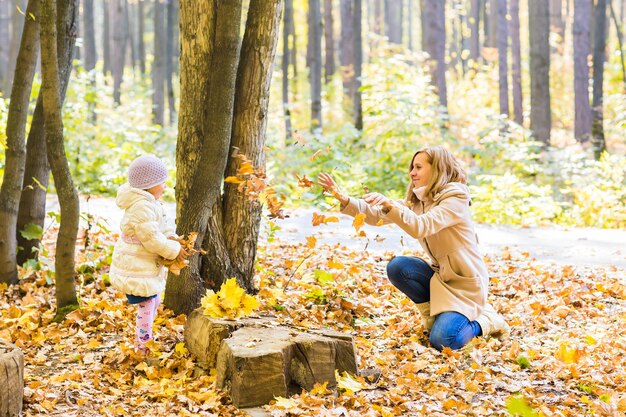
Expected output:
(451, 290)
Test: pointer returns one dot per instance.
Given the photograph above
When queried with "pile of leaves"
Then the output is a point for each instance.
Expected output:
(231, 301)
(565, 357)
(187, 249)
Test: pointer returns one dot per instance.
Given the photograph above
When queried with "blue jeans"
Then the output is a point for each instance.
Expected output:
(412, 276)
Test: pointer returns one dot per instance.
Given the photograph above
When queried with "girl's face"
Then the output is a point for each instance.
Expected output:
(420, 174)
(157, 190)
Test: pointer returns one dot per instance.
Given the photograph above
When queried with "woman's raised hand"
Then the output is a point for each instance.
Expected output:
(329, 185)
(377, 199)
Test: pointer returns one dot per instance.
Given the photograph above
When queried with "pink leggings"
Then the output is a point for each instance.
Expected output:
(146, 312)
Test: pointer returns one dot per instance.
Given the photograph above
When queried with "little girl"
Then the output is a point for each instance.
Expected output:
(145, 235)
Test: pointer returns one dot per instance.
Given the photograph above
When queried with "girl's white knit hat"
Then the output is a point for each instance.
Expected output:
(146, 172)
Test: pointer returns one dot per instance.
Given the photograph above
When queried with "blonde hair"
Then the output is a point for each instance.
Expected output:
(444, 169)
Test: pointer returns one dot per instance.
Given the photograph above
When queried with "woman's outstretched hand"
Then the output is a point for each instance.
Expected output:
(329, 185)
(377, 199)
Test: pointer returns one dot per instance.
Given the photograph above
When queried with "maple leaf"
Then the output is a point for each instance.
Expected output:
(230, 301)
(285, 403)
(359, 221)
(347, 383)
(311, 241)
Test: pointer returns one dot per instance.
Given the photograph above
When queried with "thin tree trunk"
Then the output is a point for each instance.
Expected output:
(37, 174)
(474, 30)
(409, 26)
(379, 16)
(503, 74)
(453, 46)
(172, 5)
(117, 16)
(17, 25)
(106, 38)
(516, 64)
(242, 217)
(294, 47)
(15, 152)
(346, 46)
(465, 40)
(315, 31)
(68, 197)
(582, 50)
(329, 41)
(132, 42)
(620, 37)
(393, 21)
(490, 11)
(141, 46)
(539, 29)
(5, 42)
(358, 60)
(287, 22)
(90, 38)
(209, 54)
(599, 58)
(435, 45)
(557, 23)
(158, 68)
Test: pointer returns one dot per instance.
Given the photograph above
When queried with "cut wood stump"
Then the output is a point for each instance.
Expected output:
(257, 359)
(11, 379)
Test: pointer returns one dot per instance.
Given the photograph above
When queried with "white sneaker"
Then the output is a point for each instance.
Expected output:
(493, 324)
(427, 319)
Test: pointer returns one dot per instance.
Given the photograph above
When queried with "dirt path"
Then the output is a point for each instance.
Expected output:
(573, 246)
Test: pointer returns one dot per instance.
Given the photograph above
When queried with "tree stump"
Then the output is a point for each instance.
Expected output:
(257, 360)
(11, 379)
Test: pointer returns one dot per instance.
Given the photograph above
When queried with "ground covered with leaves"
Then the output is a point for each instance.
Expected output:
(566, 355)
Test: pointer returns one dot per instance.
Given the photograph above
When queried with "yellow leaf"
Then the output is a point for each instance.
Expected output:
(590, 340)
(311, 241)
(93, 343)
(359, 221)
(180, 348)
(379, 222)
(285, 403)
(320, 389)
(348, 383)
(230, 294)
(233, 180)
(567, 354)
(334, 264)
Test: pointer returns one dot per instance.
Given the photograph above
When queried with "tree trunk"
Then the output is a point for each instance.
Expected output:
(491, 23)
(557, 23)
(117, 16)
(503, 74)
(465, 40)
(315, 30)
(68, 197)
(5, 42)
(620, 37)
(287, 22)
(329, 41)
(539, 29)
(435, 46)
(346, 46)
(172, 17)
(106, 39)
(393, 21)
(90, 38)
(474, 30)
(15, 151)
(158, 66)
(11, 379)
(37, 174)
(582, 50)
(453, 46)
(17, 25)
(599, 58)
(516, 64)
(242, 217)
(409, 26)
(294, 47)
(208, 66)
(379, 16)
(141, 46)
(358, 60)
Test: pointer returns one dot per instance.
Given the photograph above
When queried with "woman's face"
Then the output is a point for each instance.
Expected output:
(420, 174)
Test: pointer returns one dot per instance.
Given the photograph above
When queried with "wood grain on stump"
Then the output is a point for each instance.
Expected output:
(11, 379)
(257, 360)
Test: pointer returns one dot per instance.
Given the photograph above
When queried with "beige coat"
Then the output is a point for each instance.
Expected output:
(445, 230)
(135, 266)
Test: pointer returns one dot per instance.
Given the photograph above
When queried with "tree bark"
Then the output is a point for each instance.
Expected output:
(346, 46)
(106, 38)
(242, 217)
(491, 23)
(11, 379)
(358, 60)
(582, 50)
(172, 17)
(210, 49)
(17, 26)
(15, 151)
(475, 30)
(158, 68)
(393, 21)
(329, 41)
(516, 64)
(599, 58)
(5, 42)
(287, 22)
(315, 31)
(141, 46)
(539, 29)
(503, 74)
(435, 46)
(68, 197)
(90, 38)
(37, 173)
(117, 16)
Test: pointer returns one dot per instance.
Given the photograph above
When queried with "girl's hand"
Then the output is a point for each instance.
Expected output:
(377, 199)
(329, 185)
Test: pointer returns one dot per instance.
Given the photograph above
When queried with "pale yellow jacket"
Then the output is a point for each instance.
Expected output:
(444, 228)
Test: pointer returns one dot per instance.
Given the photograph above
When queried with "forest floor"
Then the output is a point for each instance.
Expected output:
(566, 355)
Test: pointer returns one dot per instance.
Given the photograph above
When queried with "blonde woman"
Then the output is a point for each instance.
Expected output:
(450, 290)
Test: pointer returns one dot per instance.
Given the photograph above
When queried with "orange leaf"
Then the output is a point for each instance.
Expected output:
(315, 155)
(359, 221)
